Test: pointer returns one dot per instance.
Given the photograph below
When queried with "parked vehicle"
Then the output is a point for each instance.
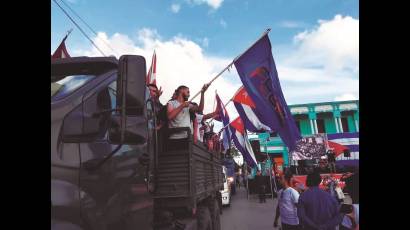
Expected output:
(226, 192)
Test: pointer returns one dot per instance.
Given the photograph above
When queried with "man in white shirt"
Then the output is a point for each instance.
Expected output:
(287, 202)
(178, 112)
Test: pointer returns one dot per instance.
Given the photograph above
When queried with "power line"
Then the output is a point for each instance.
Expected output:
(82, 31)
(89, 27)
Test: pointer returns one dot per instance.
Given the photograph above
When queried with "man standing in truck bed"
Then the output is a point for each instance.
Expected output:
(179, 116)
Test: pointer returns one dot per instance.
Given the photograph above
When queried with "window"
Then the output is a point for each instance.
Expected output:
(69, 84)
(320, 126)
(345, 125)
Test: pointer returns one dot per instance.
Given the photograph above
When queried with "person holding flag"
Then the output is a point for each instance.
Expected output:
(178, 113)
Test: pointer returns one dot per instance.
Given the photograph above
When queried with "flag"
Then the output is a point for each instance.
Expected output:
(258, 74)
(247, 111)
(240, 139)
(61, 51)
(337, 148)
(224, 118)
(348, 140)
(152, 73)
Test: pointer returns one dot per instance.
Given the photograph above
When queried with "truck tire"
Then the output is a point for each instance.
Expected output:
(204, 218)
(215, 215)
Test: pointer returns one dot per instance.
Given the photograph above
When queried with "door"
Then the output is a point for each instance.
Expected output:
(112, 177)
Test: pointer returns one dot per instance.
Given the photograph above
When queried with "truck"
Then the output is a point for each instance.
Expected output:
(109, 165)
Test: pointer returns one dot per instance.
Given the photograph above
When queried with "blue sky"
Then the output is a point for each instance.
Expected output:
(245, 20)
(314, 42)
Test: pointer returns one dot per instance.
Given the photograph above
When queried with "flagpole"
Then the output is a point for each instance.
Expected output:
(230, 64)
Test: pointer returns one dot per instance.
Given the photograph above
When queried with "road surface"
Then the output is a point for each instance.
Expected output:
(244, 214)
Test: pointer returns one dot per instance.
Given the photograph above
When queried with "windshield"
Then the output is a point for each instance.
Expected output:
(68, 85)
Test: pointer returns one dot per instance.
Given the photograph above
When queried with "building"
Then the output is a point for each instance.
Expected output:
(339, 120)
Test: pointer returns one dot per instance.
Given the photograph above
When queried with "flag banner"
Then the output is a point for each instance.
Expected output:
(61, 51)
(310, 147)
(247, 111)
(151, 75)
(337, 148)
(241, 141)
(224, 118)
(258, 74)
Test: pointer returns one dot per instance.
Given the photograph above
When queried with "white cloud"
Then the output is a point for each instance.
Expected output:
(324, 63)
(223, 23)
(175, 8)
(346, 97)
(292, 24)
(334, 44)
(214, 4)
(179, 62)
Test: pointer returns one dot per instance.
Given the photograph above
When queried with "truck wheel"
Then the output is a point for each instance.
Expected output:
(215, 215)
(204, 218)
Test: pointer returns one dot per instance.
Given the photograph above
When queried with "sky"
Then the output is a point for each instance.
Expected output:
(315, 43)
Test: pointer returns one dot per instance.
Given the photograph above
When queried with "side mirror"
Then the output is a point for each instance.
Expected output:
(131, 126)
(131, 85)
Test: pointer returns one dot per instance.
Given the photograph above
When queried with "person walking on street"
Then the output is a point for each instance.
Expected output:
(317, 209)
(287, 205)
(261, 187)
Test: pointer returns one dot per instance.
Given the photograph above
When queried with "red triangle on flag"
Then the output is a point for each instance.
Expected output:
(151, 75)
(337, 148)
(238, 125)
(243, 97)
(61, 51)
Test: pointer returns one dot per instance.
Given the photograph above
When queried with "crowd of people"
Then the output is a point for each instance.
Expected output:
(181, 113)
(298, 207)
(315, 208)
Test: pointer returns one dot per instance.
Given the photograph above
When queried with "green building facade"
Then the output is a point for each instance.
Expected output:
(337, 119)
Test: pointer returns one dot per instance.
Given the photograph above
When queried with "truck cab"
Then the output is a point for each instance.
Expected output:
(106, 167)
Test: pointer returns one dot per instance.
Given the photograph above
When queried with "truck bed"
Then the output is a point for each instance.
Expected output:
(186, 177)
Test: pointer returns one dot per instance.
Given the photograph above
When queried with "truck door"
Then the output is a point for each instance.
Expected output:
(114, 194)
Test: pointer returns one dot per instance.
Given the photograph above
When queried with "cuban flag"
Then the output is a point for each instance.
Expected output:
(347, 140)
(224, 118)
(247, 111)
(61, 51)
(258, 74)
(240, 139)
(151, 75)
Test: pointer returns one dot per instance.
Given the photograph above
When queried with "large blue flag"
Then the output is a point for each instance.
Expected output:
(258, 74)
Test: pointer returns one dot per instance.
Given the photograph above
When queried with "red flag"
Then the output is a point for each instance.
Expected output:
(151, 75)
(337, 148)
(61, 51)
(243, 97)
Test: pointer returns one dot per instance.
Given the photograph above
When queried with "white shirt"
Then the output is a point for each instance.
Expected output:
(288, 199)
(199, 133)
(182, 119)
